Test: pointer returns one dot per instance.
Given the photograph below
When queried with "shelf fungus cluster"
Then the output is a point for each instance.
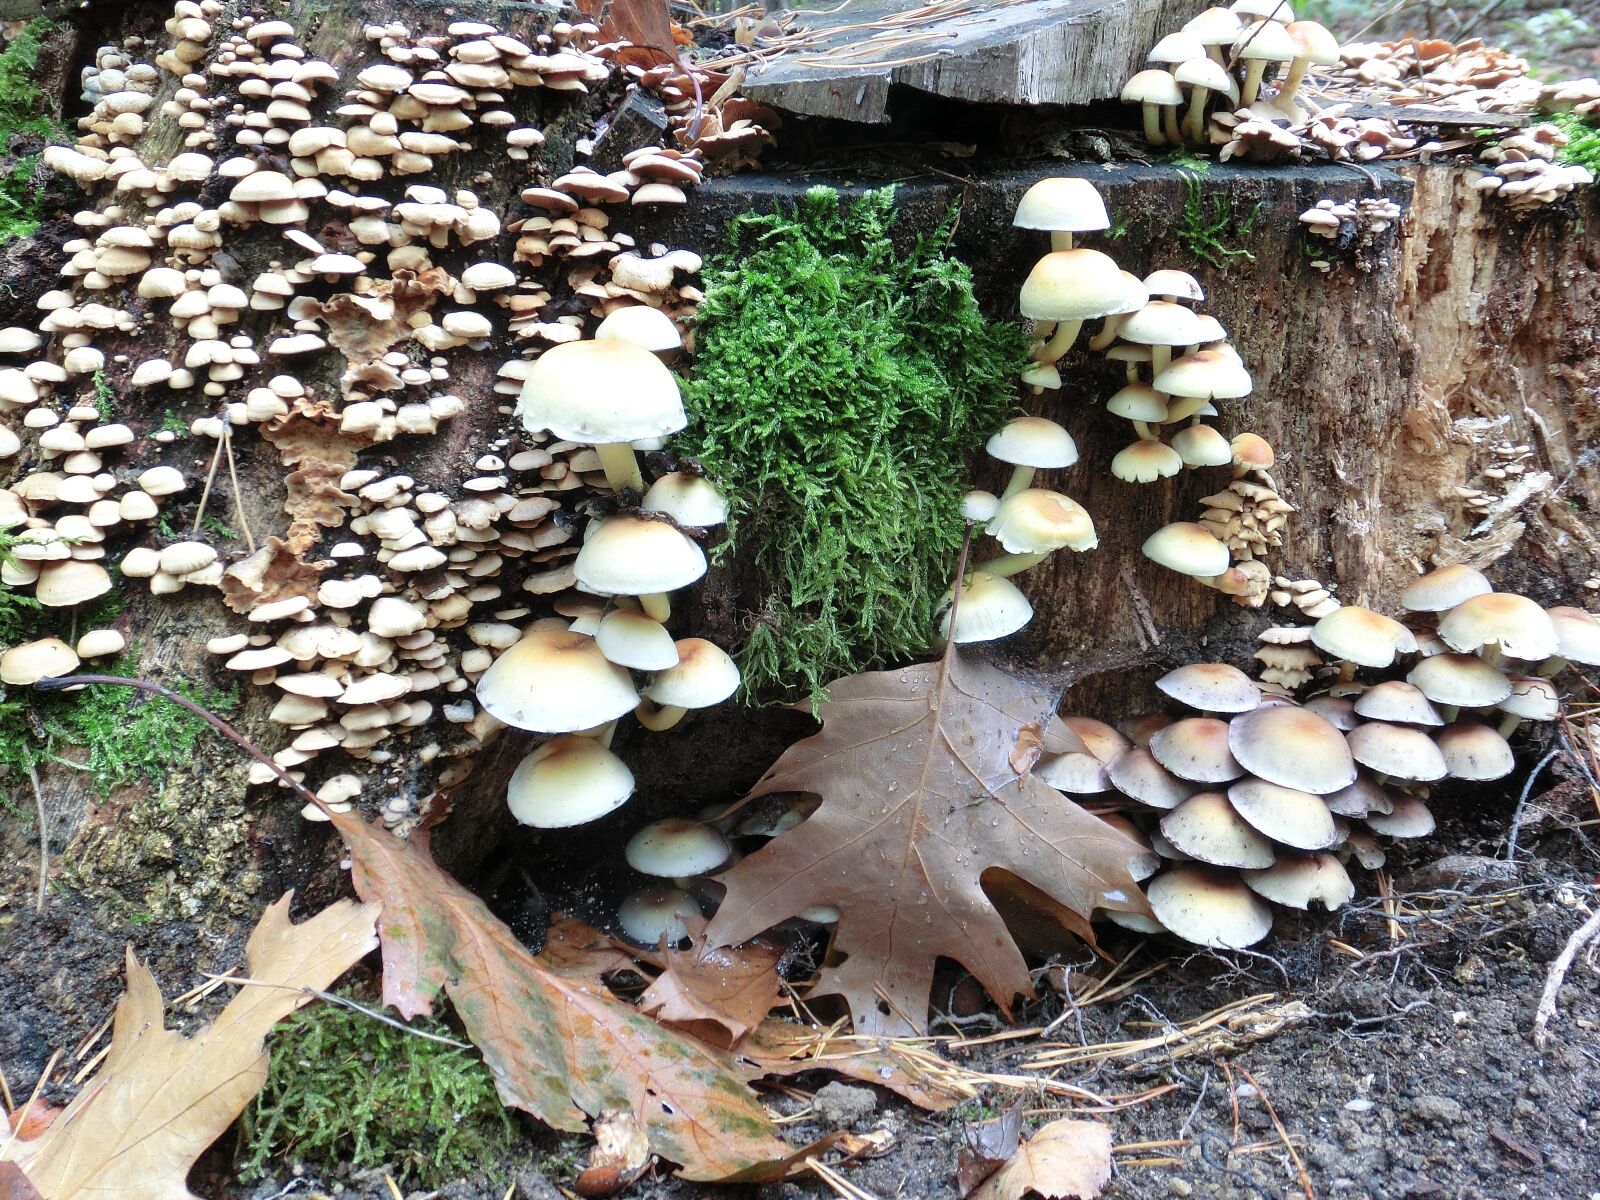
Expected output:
(275, 221)
(1254, 796)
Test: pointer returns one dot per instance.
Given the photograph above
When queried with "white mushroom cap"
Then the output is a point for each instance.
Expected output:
(1073, 285)
(677, 848)
(30, 662)
(1187, 548)
(1064, 205)
(1136, 773)
(1411, 818)
(634, 556)
(660, 912)
(71, 581)
(1036, 520)
(1578, 634)
(1533, 698)
(1033, 442)
(703, 676)
(643, 326)
(1196, 749)
(601, 392)
(693, 501)
(1211, 687)
(1396, 750)
(570, 780)
(991, 607)
(1297, 881)
(1205, 827)
(555, 681)
(631, 639)
(1209, 907)
(98, 643)
(1361, 636)
(1463, 680)
(1442, 589)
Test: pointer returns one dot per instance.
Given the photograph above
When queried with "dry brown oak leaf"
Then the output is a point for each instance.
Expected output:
(919, 799)
(161, 1098)
(559, 1045)
(1064, 1160)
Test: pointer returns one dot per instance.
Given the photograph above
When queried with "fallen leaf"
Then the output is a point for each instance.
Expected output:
(1029, 746)
(33, 1118)
(919, 799)
(274, 572)
(574, 949)
(14, 1184)
(559, 1046)
(719, 994)
(161, 1098)
(779, 1047)
(989, 1146)
(620, 1155)
(1064, 1160)
(645, 23)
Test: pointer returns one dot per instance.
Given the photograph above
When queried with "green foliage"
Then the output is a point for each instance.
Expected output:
(18, 610)
(104, 397)
(344, 1089)
(24, 113)
(117, 735)
(172, 423)
(1584, 147)
(838, 386)
(1204, 225)
(218, 527)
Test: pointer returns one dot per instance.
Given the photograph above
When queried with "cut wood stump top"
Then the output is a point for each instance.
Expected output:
(842, 61)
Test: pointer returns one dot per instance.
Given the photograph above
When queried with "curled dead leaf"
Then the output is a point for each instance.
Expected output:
(274, 572)
(363, 326)
(1064, 1160)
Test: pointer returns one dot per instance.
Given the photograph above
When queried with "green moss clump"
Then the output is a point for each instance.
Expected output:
(1204, 225)
(346, 1090)
(25, 113)
(838, 387)
(1583, 146)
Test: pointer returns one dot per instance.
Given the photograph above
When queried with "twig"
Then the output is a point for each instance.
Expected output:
(44, 838)
(1283, 1134)
(1556, 976)
(1522, 803)
(205, 492)
(837, 1182)
(233, 478)
(345, 1002)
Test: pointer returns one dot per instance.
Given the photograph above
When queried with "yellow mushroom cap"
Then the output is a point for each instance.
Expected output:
(1284, 814)
(1442, 589)
(1359, 635)
(991, 607)
(1298, 880)
(555, 681)
(1196, 749)
(570, 780)
(1209, 907)
(1137, 774)
(1206, 827)
(1205, 374)
(677, 847)
(703, 676)
(1187, 548)
(1463, 680)
(1073, 285)
(635, 556)
(1037, 521)
(1033, 442)
(1518, 626)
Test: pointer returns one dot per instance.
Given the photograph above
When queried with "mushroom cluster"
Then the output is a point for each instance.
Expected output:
(1254, 798)
(1229, 54)
(1526, 174)
(392, 590)
(1352, 226)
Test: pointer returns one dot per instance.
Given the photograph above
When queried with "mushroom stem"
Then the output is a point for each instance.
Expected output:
(1152, 125)
(1291, 84)
(1449, 712)
(601, 733)
(1061, 239)
(1196, 119)
(1160, 356)
(1169, 123)
(1021, 478)
(1133, 372)
(1142, 428)
(1380, 778)
(1252, 82)
(1508, 724)
(1551, 667)
(621, 467)
(1108, 331)
(1060, 342)
(1347, 670)
(1491, 655)
(1215, 53)
(1012, 564)
(658, 717)
(656, 606)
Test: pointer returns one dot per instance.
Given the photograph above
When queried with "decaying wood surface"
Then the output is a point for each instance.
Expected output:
(848, 59)
(1385, 390)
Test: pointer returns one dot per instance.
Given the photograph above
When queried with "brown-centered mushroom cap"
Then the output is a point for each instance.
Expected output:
(1396, 750)
(1442, 589)
(1462, 680)
(1293, 748)
(1475, 752)
(1577, 634)
(1399, 702)
(1410, 818)
(1137, 774)
(1361, 636)
(1297, 881)
(1196, 749)
(1284, 814)
(1517, 626)
(1206, 827)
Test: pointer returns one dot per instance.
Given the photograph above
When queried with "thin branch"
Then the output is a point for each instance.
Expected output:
(233, 478)
(205, 492)
(1522, 803)
(1557, 975)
